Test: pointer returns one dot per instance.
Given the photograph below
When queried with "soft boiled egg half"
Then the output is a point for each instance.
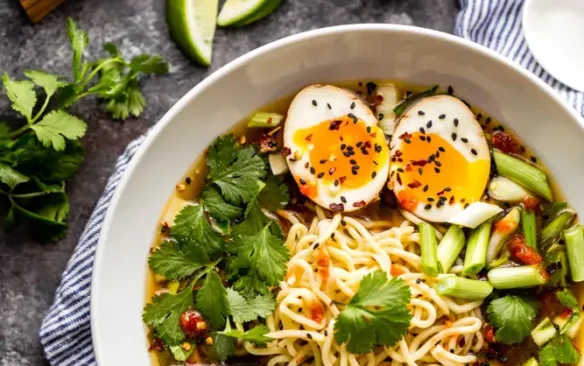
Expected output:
(334, 149)
(440, 160)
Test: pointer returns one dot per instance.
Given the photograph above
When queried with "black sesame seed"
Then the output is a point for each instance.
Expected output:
(420, 171)
(400, 170)
(421, 113)
(352, 161)
(442, 116)
(316, 245)
(533, 159)
(365, 152)
(466, 205)
(381, 116)
(437, 170)
(479, 116)
(351, 115)
(431, 199)
(322, 161)
(371, 87)
(312, 170)
(437, 154)
(422, 130)
(429, 139)
(325, 333)
(188, 180)
(429, 124)
(441, 149)
(354, 172)
(359, 143)
(302, 181)
(343, 146)
(407, 141)
(374, 162)
(418, 281)
(347, 153)
(314, 103)
(423, 138)
(522, 148)
(374, 174)
(343, 199)
(488, 120)
(343, 222)
(353, 105)
(454, 136)
(473, 151)
(378, 148)
(336, 182)
(431, 158)
(352, 152)
(428, 206)
(356, 167)
(437, 163)
(455, 122)
(450, 90)
(329, 106)
(368, 129)
(426, 188)
(464, 139)
(320, 175)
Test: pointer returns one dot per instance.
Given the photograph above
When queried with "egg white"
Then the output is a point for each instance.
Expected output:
(331, 102)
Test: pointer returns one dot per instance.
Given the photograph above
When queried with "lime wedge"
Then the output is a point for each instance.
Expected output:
(241, 12)
(192, 26)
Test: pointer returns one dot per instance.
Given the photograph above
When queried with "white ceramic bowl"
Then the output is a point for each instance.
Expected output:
(354, 52)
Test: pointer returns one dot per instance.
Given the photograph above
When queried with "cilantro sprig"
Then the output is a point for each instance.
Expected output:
(512, 316)
(376, 315)
(44, 150)
(250, 251)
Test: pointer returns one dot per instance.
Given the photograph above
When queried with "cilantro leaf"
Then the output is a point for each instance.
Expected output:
(246, 310)
(376, 315)
(212, 300)
(111, 48)
(11, 177)
(49, 82)
(567, 299)
(564, 350)
(149, 64)
(168, 260)
(255, 220)
(274, 195)
(79, 41)
(222, 153)
(224, 346)
(31, 158)
(47, 214)
(179, 353)
(195, 235)
(217, 207)
(164, 312)
(250, 284)
(263, 252)
(256, 335)
(546, 356)
(57, 126)
(21, 94)
(512, 316)
(4, 131)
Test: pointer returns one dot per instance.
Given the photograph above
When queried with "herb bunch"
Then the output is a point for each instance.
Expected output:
(44, 150)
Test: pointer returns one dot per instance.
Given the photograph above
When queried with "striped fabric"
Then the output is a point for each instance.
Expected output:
(496, 24)
(66, 333)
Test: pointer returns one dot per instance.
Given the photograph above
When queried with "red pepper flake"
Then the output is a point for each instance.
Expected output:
(451, 201)
(405, 136)
(337, 207)
(156, 345)
(414, 184)
(342, 179)
(332, 170)
(165, 228)
(285, 151)
(408, 168)
(334, 126)
(378, 100)
(523, 252)
(373, 135)
(489, 333)
(531, 203)
(191, 321)
(399, 179)
(420, 163)
(566, 313)
(504, 142)
(359, 204)
(309, 137)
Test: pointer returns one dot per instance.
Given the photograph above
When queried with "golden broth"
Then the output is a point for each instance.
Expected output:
(190, 185)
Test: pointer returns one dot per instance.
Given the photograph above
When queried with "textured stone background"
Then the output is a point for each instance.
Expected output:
(29, 271)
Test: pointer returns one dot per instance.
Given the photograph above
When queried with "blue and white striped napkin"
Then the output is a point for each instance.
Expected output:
(66, 332)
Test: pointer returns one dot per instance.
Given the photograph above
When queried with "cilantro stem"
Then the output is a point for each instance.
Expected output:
(209, 266)
(41, 111)
(98, 68)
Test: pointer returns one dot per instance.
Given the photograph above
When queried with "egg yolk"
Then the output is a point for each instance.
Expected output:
(344, 151)
(432, 170)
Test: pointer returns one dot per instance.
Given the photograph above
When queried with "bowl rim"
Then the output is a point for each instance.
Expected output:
(152, 134)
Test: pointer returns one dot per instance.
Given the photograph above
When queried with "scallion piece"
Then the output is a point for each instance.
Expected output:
(551, 232)
(543, 332)
(385, 113)
(278, 164)
(429, 249)
(475, 214)
(450, 247)
(528, 223)
(504, 278)
(406, 104)
(575, 249)
(265, 120)
(502, 230)
(476, 249)
(463, 288)
(505, 190)
(524, 174)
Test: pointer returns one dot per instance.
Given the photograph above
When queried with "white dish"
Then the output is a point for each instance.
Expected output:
(553, 30)
(353, 52)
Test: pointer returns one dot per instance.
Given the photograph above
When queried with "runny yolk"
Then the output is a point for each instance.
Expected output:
(344, 151)
(435, 169)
